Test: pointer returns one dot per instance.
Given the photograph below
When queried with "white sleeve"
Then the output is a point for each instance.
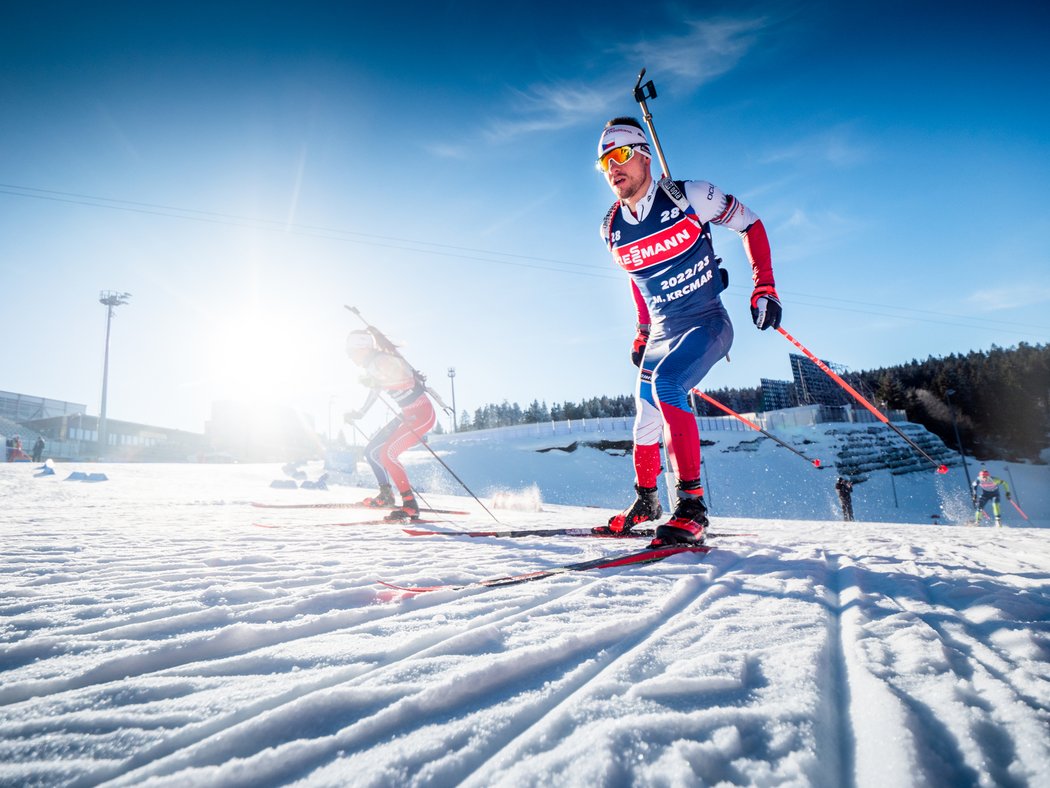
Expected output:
(713, 205)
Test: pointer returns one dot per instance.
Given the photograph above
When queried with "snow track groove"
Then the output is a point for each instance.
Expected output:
(980, 679)
(836, 696)
(165, 757)
(149, 641)
(264, 727)
(688, 598)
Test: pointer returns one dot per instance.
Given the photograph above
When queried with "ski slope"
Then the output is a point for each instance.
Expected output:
(157, 629)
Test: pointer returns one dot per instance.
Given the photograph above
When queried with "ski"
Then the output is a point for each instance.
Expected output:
(647, 556)
(517, 534)
(344, 506)
(377, 521)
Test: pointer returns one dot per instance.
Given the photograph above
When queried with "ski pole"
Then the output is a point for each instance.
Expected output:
(443, 463)
(752, 425)
(857, 396)
(641, 93)
(359, 431)
(1018, 508)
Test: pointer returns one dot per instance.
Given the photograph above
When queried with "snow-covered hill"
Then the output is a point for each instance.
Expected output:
(157, 629)
(745, 473)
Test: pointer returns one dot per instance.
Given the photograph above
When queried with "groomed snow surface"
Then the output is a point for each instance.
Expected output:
(157, 629)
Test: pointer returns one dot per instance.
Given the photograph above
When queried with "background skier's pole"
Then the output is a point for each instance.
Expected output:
(1018, 508)
(426, 446)
(641, 93)
(752, 425)
(857, 396)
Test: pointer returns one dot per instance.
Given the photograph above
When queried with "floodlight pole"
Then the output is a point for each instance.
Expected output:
(452, 381)
(109, 299)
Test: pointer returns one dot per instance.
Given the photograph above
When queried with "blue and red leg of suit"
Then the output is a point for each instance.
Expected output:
(401, 434)
(673, 365)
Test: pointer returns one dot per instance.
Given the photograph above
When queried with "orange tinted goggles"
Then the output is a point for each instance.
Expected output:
(620, 155)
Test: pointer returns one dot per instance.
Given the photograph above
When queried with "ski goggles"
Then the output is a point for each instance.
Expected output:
(620, 155)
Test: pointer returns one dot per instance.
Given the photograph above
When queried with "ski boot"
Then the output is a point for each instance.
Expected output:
(689, 521)
(645, 508)
(407, 511)
(381, 501)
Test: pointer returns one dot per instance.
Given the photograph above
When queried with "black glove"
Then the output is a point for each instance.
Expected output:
(1008, 496)
(765, 307)
(640, 341)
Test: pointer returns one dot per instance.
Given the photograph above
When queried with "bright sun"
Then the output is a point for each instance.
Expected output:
(254, 358)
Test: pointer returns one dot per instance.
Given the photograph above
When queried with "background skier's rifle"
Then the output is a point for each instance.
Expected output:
(385, 344)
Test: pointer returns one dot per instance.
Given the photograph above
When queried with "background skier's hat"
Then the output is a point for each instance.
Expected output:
(359, 340)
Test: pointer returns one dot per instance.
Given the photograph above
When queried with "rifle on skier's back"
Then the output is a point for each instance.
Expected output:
(384, 343)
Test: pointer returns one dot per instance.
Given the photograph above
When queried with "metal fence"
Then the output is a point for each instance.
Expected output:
(593, 426)
(805, 416)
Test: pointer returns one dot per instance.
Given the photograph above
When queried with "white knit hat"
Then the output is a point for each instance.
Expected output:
(359, 340)
(615, 136)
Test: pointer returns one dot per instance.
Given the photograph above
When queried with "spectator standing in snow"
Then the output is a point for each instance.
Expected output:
(386, 371)
(38, 449)
(659, 233)
(844, 487)
(985, 489)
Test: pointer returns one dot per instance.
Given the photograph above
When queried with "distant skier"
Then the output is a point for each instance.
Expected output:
(386, 371)
(659, 233)
(985, 489)
(844, 487)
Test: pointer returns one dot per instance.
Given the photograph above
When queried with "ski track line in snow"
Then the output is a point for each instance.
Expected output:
(691, 596)
(729, 706)
(836, 697)
(238, 734)
(236, 635)
(962, 652)
(879, 615)
(228, 631)
(564, 658)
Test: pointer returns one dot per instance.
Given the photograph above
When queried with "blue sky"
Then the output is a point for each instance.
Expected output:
(246, 169)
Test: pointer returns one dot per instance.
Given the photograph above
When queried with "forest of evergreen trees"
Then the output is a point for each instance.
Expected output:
(1001, 399)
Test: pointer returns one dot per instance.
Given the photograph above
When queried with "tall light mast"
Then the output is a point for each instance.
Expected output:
(109, 299)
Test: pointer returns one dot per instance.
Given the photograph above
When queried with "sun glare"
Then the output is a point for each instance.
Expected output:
(254, 359)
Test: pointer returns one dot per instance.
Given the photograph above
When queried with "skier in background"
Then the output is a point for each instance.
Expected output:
(386, 371)
(985, 489)
(659, 233)
(844, 487)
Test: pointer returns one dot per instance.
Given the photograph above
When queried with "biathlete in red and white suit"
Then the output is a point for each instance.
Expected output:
(388, 372)
(659, 233)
